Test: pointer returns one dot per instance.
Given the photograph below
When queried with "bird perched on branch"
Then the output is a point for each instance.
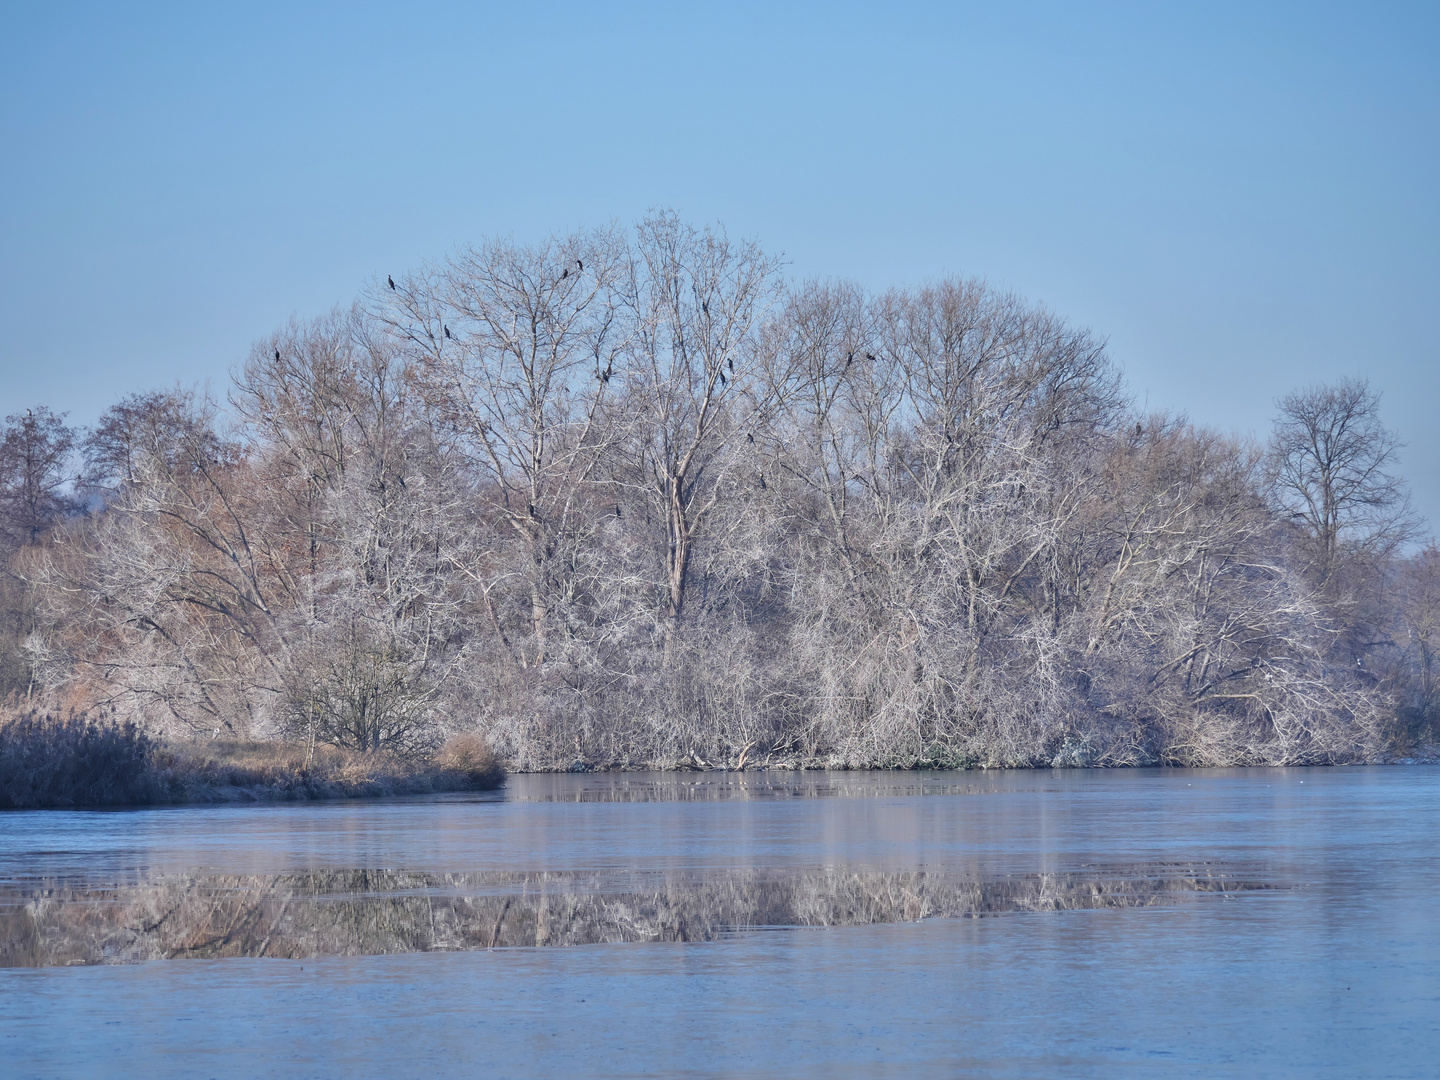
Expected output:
(446, 329)
(277, 356)
(391, 280)
(580, 266)
(564, 273)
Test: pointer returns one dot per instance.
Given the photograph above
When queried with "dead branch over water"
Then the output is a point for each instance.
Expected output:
(346, 913)
(636, 500)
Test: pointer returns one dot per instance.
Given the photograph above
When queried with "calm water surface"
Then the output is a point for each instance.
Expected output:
(1177, 923)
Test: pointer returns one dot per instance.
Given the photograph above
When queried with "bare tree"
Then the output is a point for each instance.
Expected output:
(515, 350)
(132, 433)
(1202, 645)
(956, 417)
(161, 605)
(697, 387)
(1332, 456)
(35, 449)
(365, 505)
(631, 501)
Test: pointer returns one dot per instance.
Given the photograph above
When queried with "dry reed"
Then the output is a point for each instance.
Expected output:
(49, 761)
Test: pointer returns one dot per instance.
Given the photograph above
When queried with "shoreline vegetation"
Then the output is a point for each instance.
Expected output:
(47, 762)
(632, 499)
(51, 762)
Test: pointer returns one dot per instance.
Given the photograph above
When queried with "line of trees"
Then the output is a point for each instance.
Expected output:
(636, 499)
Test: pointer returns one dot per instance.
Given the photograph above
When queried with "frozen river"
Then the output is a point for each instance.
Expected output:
(1078, 923)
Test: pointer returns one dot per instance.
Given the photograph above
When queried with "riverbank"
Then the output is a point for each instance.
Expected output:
(1411, 755)
(49, 761)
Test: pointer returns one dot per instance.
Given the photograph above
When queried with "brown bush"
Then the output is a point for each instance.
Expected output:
(471, 757)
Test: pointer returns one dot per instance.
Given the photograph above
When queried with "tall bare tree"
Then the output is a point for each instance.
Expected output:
(515, 349)
(1333, 460)
(35, 449)
(35, 496)
(365, 510)
(696, 380)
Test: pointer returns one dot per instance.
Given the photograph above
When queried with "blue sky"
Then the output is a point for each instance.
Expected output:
(1242, 197)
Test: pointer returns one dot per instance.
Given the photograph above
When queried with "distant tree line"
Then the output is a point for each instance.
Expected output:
(636, 499)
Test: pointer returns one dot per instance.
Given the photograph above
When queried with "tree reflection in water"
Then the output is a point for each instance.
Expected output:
(368, 912)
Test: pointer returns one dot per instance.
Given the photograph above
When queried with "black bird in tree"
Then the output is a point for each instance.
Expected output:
(870, 356)
(391, 280)
(749, 437)
(564, 273)
(446, 329)
(731, 362)
(722, 378)
(277, 356)
(580, 266)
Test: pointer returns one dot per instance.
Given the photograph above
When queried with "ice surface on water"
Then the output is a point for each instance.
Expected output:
(1152, 922)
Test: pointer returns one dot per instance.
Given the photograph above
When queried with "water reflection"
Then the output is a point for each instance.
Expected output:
(646, 787)
(370, 912)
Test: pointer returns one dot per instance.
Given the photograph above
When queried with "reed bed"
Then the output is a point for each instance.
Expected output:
(80, 760)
